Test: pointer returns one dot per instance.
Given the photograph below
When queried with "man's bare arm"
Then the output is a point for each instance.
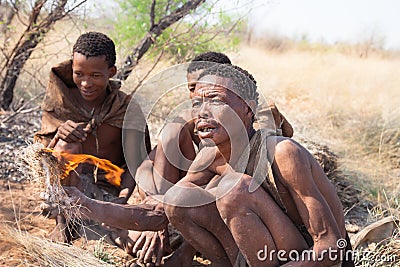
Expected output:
(295, 168)
(140, 217)
(208, 163)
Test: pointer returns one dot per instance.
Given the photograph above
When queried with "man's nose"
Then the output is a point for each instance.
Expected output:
(204, 111)
(86, 82)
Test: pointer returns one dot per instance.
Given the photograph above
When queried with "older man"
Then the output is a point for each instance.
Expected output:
(252, 199)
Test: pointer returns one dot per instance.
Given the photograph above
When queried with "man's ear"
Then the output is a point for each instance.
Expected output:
(112, 71)
(252, 105)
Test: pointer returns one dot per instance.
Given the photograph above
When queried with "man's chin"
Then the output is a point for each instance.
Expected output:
(207, 142)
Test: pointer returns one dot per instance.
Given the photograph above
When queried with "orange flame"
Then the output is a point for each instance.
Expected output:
(113, 172)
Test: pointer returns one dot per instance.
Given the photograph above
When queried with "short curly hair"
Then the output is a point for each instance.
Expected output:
(93, 44)
(206, 59)
(243, 83)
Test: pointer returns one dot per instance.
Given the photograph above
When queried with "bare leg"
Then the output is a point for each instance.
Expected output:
(201, 226)
(257, 222)
(145, 178)
(174, 154)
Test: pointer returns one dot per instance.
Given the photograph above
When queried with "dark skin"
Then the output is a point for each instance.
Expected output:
(241, 219)
(179, 133)
(152, 244)
(142, 217)
(165, 170)
(91, 76)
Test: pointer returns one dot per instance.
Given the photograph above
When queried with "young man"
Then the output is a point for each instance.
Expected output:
(278, 201)
(83, 112)
(153, 244)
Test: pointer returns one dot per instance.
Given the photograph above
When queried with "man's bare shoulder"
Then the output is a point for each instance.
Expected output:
(284, 146)
(289, 159)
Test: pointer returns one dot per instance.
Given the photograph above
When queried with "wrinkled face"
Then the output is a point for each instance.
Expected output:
(192, 78)
(91, 75)
(219, 113)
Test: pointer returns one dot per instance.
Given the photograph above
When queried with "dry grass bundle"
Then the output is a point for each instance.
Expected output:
(40, 166)
(42, 252)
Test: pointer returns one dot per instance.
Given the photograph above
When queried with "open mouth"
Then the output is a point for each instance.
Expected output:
(205, 129)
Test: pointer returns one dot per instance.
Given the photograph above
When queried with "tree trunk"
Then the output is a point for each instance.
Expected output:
(14, 68)
(29, 40)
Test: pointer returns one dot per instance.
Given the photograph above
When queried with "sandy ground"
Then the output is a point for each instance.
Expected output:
(19, 209)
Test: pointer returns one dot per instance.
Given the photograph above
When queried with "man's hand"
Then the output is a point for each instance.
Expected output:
(72, 132)
(76, 197)
(151, 247)
(48, 209)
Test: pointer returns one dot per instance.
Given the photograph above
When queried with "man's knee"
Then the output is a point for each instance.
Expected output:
(232, 195)
(181, 203)
(170, 133)
(174, 136)
(145, 180)
(173, 207)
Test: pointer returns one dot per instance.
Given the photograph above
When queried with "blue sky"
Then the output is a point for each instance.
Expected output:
(328, 20)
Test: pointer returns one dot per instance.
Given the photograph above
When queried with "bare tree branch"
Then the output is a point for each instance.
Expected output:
(152, 13)
(149, 71)
(155, 31)
(167, 6)
(32, 35)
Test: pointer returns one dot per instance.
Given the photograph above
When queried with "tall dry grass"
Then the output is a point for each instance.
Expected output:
(39, 251)
(350, 103)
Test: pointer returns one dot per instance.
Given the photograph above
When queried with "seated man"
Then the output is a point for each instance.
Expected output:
(277, 199)
(156, 176)
(167, 166)
(157, 173)
(148, 176)
(83, 112)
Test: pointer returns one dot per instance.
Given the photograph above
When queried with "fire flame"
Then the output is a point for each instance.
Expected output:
(113, 172)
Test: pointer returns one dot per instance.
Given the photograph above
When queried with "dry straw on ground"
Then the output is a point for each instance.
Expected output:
(42, 252)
